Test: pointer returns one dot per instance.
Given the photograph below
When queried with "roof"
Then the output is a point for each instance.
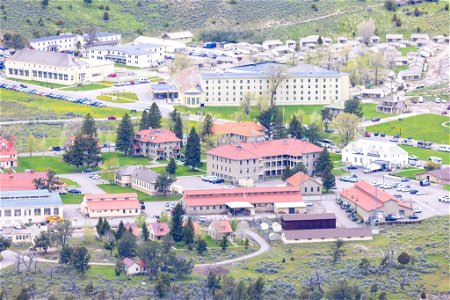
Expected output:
(247, 129)
(251, 195)
(289, 204)
(134, 228)
(49, 58)
(398, 36)
(179, 35)
(368, 197)
(187, 79)
(297, 179)
(29, 198)
(113, 197)
(156, 136)
(251, 150)
(113, 204)
(442, 174)
(332, 233)
(53, 37)
(7, 147)
(128, 262)
(239, 204)
(144, 175)
(373, 148)
(102, 34)
(140, 49)
(159, 229)
(126, 170)
(308, 217)
(221, 226)
(273, 42)
(163, 87)
(19, 181)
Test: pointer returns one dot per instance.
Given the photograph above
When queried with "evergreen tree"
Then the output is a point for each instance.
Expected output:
(201, 246)
(88, 127)
(80, 260)
(83, 152)
(177, 223)
(327, 115)
(126, 246)
(224, 243)
(256, 289)
(105, 16)
(120, 230)
(313, 133)
(23, 295)
(154, 116)
(65, 255)
(328, 179)
(44, 3)
(286, 173)
(353, 107)
(43, 241)
(279, 131)
(75, 154)
(295, 128)
(145, 233)
(265, 118)
(92, 155)
(192, 152)
(5, 243)
(171, 166)
(323, 162)
(299, 167)
(163, 182)
(188, 233)
(320, 41)
(99, 225)
(207, 126)
(143, 124)
(173, 117)
(110, 242)
(105, 228)
(178, 128)
(125, 132)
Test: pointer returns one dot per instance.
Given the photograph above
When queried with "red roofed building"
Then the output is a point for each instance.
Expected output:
(157, 144)
(306, 184)
(8, 153)
(260, 160)
(219, 228)
(236, 201)
(23, 181)
(134, 266)
(235, 132)
(158, 230)
(366, 198)
(110, 205)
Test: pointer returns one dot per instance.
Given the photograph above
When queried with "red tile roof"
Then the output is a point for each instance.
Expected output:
(247, 129)
(156, 136)
(221, 226)
(160, 229)
(19, 181)
(113, 197)
(113, 204)
(128, 262)
(255, 195)
(7, 147)
(297, 179)
(363, 195)
(249, 150)
(133, 227)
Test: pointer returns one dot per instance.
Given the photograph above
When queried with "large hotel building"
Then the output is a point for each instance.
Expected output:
(301, 84)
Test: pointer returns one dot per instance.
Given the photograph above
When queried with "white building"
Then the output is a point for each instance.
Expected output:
(110, 205)
(57, 43)
(25, 207)
(181, 36)
(271, 44)
(365, 153)
(141, 56)
(171, 46)
(102, 39)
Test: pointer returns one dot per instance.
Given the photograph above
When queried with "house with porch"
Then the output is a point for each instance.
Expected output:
(158, 230)
(157, 144)
(134, 266)
(392, 104)
(219, 229)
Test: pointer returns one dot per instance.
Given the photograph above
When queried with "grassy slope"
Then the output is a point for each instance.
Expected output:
(71, 198)
(120, 97)
(87, 87)
(415, 127)
(110, 188)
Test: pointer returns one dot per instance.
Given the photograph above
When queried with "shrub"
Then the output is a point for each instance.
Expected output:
(283, 260)
(390, 5)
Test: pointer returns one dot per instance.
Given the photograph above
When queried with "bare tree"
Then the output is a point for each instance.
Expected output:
(390, 58)
(26, 260)
(246, 103)
(275, 74)
(180, 63)
(91, 34)
(377, 62)
(346, 128)
(366, 29)
(336, 251)
(62, 231)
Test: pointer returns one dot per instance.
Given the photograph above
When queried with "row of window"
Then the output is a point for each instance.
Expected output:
(294, 80)
(124, 211)
(40, 74)
(324, 98)
(28, 212)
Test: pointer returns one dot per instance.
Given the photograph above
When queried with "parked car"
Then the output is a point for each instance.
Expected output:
(413, 217)
(417, 209)
(112, 118)
(413, 192)
(375, 134)
(56, 148)
(404, 179)
(390, 218)
(74, 191)
(412, 157)
(308, 204)
(383, 134)
(367, 134)
(424, 183)
(376, 119)
(201, 219)
(351, 167)
(216, 180)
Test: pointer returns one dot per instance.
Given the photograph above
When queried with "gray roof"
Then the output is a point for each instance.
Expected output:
(125, 170)
(308, 217)
(332, 233)
(163, 87)
(46, 58)
(35, 198)
(442, 174)
(101, 34)
(141, 49)
(261, 70)
(52, 38)
(145, 175)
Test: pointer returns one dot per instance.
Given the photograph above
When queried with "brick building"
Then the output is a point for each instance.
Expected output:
(157, 144)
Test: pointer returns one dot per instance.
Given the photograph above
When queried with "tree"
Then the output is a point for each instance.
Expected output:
(145, 232)
(364, 266)
(207, 126)
(110, 241)
(246, 104)
(201, 246)
(398, 22)
(279, 131)
(188, 232)
(143, 124)
(319, 40)
(119, 267)
(80, 260)
(353, 107)
(323, 162)
(88, 127)
(105, 228)
(246, 244)
(192, 152)
(5, 243)
(15, 41)
(177, 223)
(212, 282)
(108, 167)
(287, 172)
(171, 167)
(328, 179)
(327, 115)
(44, 3)
(154, 116)
(75, 154)
(98, 227)
(275, 74)
(224, 243)
(49, 183)
(241, 291)
(162, 286)
(313, 133)
(336, 251)
(84, 151)
(296, 128)
(65, 255)
(125, 133)
(256, 289)
(120, 230)
(299, 167)
(43, 241)
(178, 127)
(31, 144)
(404, 258)
(180, 266)
(382, 296)
(423, 295)
(62, 230)
(126, 246)
(180, 62)
(163, 182)
(23, 295)
(342, 290)
(366, 29)
(346, 128)
(105, 16)
(390, 5)
(416, 12)
(87, 2)
(374, 288)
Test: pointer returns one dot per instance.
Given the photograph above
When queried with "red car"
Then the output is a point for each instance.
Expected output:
(444, 113)
(367, 134)
(112, 118)
(112, 75)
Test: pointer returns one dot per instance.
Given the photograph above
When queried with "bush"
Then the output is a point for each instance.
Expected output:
(390, 5)
(283, 260)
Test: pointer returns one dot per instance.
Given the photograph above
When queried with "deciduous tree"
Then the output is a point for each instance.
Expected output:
(43, 241)
(366, 29)
(346, 128)
(336, 251)
(62, 231)
(4, 243)
(163, 182)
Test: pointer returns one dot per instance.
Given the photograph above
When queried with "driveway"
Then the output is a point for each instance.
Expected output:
(8, 259)
(87, 185)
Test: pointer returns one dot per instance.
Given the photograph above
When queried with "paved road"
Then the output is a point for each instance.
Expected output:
(87, 185)
(8, 259)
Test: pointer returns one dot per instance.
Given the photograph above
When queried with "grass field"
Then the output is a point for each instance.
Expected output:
(431, 92)
(87, 87)
(69, 182)
(71, 198)
(126, 67)
(400, 68)
(119, 98)
(22, 106)
(446, 187)
(39, 83)
(423, 154)
(370, 112)
(183, 170)
(426, 127)
(410, 172)
(43, 163)
(111, 188)
(406, 50)
(127, 160)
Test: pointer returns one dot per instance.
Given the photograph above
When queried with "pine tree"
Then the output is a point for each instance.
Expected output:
(207, 126)
(323, 162)
(163, 182)
(178, 128)
(120, 230)
(224, 243)
(188, 233)
(145, 233)
(92, 155)
(125, 132)
(320, 41)
(313, 133)
(192, 152)
(278, 126)
(80, 260)
(88, 127)
(105, 16)
(171, 166)
(75, 154)
(176, 225)
(201, 246)
(99, 225)
(286, 173)
(295, 128)
(104, 228)
(154, 116)
(144, 118)
(328, 179)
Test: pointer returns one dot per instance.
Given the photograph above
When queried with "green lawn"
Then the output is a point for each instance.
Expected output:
(69, 182)
(111, 188)
(400, 68)
(43, 163)
(409, 172)
(183, 170)
(87, 87)
(426, 127)
(423, 154)
(338, 172)
(127, 160)
(39, 83)
(126, 67)
(23, 105)
(370, 111)
(71, 198)
(155, 79)
(406, 50)
(446, 187)
(119, 97)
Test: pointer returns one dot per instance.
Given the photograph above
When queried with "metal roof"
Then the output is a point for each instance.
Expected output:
(48, 58)
(163, 87)
(289, 204)
(34, 198)
(239, 204)
(141, 49)
(53, 37)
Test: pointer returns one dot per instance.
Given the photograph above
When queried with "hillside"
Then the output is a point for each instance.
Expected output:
(232, 19)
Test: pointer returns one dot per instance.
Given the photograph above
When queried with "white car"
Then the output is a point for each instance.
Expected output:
(201, 219)
(420, 193)
(96, 176)
(18, 225)
(417, 209)
(444, 199)
(308, 204)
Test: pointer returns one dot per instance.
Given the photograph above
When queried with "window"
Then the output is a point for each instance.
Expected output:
(56, 211)
(17, 213)
(37, 211)
(7, 213)
(47, 212)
